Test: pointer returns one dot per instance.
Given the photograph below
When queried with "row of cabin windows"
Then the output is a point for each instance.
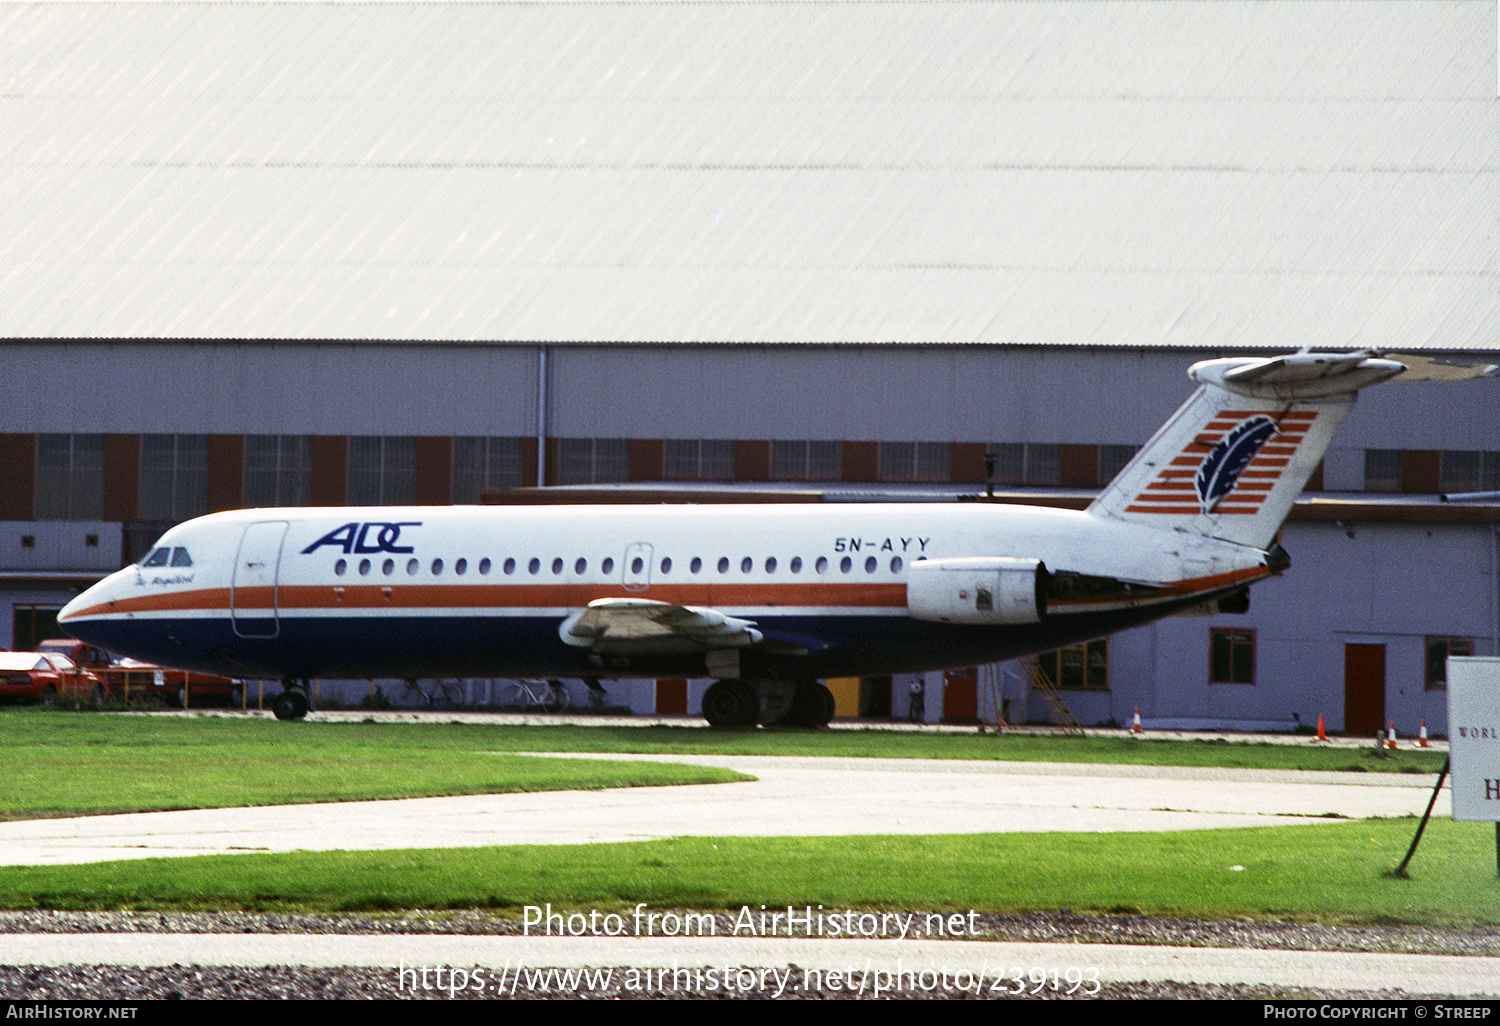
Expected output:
(534, 566)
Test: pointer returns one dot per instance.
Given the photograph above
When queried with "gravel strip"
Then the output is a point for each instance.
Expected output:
(130, 983)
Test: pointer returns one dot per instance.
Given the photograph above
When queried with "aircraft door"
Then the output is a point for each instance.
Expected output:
(637, 566)
(252, 591)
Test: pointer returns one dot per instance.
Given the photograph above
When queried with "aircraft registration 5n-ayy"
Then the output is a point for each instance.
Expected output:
(767, 599)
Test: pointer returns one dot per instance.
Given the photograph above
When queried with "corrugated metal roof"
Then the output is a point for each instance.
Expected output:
(1174, 173)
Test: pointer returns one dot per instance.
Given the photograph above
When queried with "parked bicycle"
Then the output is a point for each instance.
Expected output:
(549, 696)
(441, 694)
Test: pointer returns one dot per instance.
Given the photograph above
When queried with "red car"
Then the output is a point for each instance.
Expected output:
(46, 677)
(131, 679)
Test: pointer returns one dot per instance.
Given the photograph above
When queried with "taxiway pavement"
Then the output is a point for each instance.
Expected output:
(790, 797)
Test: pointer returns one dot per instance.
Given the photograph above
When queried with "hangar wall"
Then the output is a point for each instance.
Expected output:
(1370, 581)
(940, 393)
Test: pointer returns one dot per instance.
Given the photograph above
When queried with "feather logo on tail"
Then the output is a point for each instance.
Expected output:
(1222, 466)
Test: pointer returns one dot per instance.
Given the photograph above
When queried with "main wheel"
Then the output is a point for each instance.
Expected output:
(829, 706)
(730, 703)
(290, 705)
(812, 705)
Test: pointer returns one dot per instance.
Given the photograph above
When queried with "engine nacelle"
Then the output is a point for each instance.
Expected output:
(978, 590)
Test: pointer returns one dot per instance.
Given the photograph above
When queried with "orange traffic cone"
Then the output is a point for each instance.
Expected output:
(1422, 736)
(1322, 734)
(1390, 737)
(1135, 724)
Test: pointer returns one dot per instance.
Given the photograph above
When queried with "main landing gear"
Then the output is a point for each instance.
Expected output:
(292, 703)
(729, 704)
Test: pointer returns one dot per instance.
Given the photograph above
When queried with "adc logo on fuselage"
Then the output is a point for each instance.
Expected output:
(374, 536)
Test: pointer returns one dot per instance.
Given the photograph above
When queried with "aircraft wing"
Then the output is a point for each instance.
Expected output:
(631, 625)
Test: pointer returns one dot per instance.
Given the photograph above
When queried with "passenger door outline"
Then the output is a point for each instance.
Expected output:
(257, 566)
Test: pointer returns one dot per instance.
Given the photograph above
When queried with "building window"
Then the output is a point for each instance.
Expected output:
(1231, 655)
(698, 460)
(1113, 458)
(70, 477)
(1438, 651)
(807, 461)
(592, 460)
(277, 470)
(480, 463)
(382, 471)
(1077, 667)
(1027, 464)
(1382, 470)
(1470, 472)
(914, 461)
(174, 477)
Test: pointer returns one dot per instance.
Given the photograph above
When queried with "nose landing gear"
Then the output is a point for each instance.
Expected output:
(293, 702)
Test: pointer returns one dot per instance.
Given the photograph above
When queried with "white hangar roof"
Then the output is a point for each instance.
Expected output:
(1147, 174)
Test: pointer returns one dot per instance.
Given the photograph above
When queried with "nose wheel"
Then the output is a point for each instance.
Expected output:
(292, 703)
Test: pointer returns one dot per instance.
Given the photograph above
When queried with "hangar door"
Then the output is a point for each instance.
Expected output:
(252, 593)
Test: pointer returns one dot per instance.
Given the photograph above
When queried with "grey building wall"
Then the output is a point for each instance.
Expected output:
(969, 393)
(1394, 585)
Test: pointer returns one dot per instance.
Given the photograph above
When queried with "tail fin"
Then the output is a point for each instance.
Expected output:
(1233, 459)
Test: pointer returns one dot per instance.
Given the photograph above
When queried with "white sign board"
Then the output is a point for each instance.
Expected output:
(1474, 736)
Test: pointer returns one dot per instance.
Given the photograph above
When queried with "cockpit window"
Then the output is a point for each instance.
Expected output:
(180, 557)
(158, 557)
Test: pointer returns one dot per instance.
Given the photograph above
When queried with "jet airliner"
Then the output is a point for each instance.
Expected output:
(765, 599)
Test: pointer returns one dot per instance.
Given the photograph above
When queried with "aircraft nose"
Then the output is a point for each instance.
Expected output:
(80, 611)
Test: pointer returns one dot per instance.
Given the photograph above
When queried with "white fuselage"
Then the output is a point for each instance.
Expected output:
(423, 591)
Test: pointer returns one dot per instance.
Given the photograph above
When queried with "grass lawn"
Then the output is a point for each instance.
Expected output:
(1111, 747)
(71, 763)
(68, 763)
(1333, 873)
(77, 763)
